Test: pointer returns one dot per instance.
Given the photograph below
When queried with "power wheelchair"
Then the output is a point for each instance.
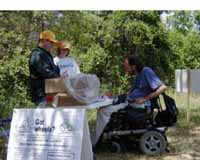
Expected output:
(145, 128)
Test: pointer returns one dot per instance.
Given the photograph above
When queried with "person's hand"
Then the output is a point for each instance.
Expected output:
(108, 94)
(140, 100)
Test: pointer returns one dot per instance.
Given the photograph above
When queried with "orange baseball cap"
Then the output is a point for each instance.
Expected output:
(48, 35)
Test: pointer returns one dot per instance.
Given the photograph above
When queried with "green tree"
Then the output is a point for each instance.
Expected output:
(100, 40)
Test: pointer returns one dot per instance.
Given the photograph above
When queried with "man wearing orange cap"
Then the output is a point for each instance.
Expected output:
(66, 64)
(41, 67)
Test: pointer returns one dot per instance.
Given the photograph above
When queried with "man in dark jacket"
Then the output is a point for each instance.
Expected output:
(41, 67)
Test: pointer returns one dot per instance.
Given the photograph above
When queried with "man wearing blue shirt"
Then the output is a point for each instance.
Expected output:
(145, 86)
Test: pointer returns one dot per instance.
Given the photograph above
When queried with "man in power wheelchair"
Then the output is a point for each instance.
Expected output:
(144, 127)
(136, 105)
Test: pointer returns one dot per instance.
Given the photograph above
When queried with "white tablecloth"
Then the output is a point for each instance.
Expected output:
(103, 117)
(86, 152)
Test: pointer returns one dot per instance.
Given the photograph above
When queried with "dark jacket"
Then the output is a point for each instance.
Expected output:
(41, 67)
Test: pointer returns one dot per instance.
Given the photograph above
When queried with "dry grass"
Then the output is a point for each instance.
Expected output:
(184, 138)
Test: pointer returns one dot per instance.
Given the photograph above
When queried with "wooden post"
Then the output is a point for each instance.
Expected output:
(188, 95)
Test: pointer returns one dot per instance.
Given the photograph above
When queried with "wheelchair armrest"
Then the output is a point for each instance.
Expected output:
(120, 99)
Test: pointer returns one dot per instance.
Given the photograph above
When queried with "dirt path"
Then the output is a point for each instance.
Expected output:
(184, 145)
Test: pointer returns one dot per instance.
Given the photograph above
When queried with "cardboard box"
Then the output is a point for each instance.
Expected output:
(55, 85)
(64, 100)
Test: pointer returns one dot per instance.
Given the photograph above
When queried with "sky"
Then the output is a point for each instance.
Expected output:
(100, 5)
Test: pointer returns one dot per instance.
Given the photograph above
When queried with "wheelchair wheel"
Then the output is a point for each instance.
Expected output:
(117, 147)
(153, 143)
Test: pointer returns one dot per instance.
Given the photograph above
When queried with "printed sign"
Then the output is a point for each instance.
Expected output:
(187, 79)
(194, 80)
(46, 134)
(181, 80)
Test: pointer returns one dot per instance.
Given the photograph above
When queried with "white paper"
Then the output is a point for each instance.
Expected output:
(187, 79)
(181, 80)
(46, 134)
